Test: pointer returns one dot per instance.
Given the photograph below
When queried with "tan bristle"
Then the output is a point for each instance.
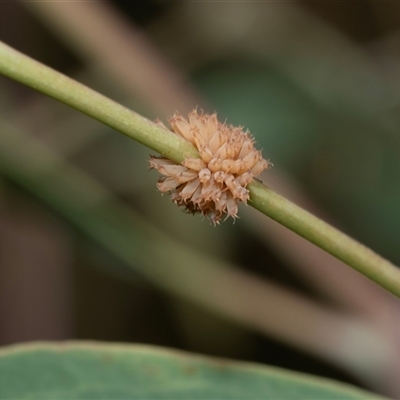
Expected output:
(216, 182)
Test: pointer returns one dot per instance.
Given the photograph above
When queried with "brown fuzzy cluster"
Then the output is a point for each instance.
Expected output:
(216, 182)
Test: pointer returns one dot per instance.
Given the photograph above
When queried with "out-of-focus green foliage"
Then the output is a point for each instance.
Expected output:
(278, 114)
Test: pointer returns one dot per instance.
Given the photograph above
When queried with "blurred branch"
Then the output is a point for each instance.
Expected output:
(17, 66)
(123, 51)
(213, 284)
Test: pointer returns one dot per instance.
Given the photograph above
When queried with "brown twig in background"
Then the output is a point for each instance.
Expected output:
(101, 36)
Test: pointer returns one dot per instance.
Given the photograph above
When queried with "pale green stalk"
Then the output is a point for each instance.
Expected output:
(31, 73)
(335, 242)
(24, 69)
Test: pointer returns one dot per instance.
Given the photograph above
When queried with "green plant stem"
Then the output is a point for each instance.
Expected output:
(17, 66)
(325, 236)
(25, 70)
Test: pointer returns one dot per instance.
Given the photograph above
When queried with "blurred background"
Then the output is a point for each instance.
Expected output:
(90, 250)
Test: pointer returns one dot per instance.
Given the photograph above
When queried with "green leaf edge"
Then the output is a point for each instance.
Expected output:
(197, 359)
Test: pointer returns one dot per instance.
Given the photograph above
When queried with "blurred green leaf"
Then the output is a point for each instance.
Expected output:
(280, 116)
(107, 371)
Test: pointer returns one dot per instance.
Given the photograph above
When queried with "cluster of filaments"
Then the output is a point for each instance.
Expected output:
(216, 182)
